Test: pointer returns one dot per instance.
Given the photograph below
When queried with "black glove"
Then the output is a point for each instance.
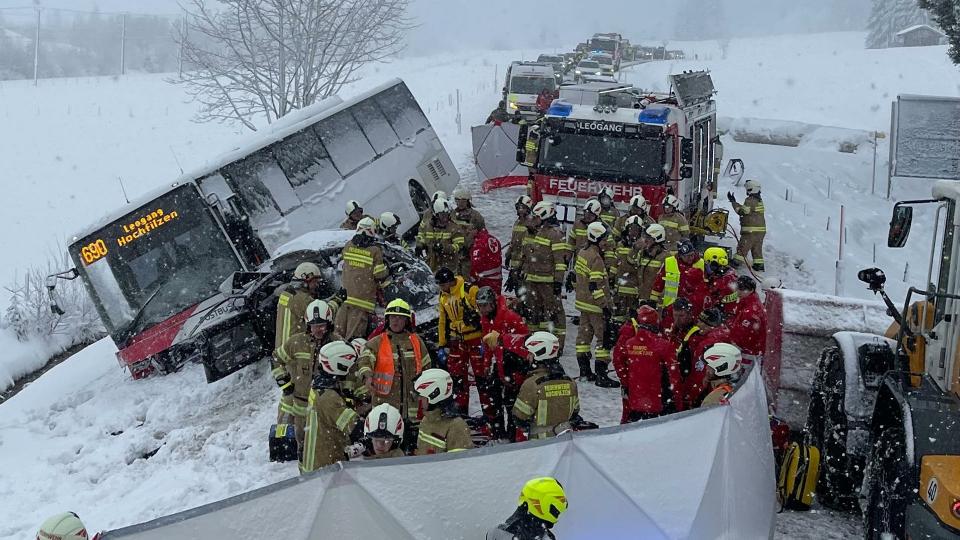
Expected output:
(557, 288)
(607, 314)
(283, 379)
(512, 281)
(730, 197)
(571, 281)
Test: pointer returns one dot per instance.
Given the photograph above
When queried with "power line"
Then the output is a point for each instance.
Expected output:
(85, 12)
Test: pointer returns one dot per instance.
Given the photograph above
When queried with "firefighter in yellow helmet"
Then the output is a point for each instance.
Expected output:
(291, 306)
(548, 402)
(542, 502)
(595, 304)
(442, 429)
(364, 275)
(392, 361)
(65, 526)
(332, 424)
(753, 226)
(674, 223)
(297, 358)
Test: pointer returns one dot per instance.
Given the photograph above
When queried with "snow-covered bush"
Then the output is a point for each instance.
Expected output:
(30, 317)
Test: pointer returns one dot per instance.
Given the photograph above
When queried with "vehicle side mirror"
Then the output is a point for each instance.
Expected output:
(51, 285)
(686, 171)
(900, 226)
(242, 279)
(686, 152)
(873, 277)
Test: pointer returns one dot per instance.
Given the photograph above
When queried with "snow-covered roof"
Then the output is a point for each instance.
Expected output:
(946, 189)
(917, 27)
(527, 70)
(316, 240)
(623, 115)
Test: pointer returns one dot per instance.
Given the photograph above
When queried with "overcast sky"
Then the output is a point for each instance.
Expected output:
(505, 24)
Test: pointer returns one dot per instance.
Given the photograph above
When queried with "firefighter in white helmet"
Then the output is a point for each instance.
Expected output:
(625, 271)
(674, 223)
(590, 213)
(388, 226)
(609, 214)
(723, 362)
(354, 214)
(638, 207)
(428, 214)
(548, 402)
(65, 526)
(471, 225)
(595, 304)
(518, 236)
(441, 241)
(384, 429)
(297, 358)
(291, 306)
(365, 274)
(652, 256)
(753, 226)
(332, 424)
(442, 429)
(543, 266)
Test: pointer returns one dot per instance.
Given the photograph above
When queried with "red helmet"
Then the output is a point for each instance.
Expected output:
(648, 316)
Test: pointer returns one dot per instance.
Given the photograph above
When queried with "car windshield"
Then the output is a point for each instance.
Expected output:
(532, 85)
(597, 156)
(608, 45)
(588, 65)
(154, 262)
(604, 60)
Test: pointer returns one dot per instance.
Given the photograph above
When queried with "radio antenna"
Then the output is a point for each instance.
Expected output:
(123, 189)
(176, 159)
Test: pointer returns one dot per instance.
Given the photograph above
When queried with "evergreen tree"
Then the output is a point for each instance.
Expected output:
(889, 17)
(947, 15)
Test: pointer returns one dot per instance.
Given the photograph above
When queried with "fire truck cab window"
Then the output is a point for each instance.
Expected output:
(624, 159)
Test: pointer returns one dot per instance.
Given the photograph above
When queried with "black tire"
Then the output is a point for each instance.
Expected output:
(887, 487)
(838, 481)
(816, 408)
(422, 203)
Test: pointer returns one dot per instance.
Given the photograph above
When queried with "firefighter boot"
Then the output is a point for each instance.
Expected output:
(583, 360)
(603, 379)
(758, 267)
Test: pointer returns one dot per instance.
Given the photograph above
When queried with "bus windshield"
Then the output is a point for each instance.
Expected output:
(155, 262)
(625, 159)
(532, 85)
(607, 45)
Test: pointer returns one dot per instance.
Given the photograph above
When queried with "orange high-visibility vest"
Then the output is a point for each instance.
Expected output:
(385, 368)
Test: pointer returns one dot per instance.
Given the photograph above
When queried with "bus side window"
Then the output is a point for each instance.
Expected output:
(375, 126)
(345, 142)
(402, 111)
(305, 161)
(243, 177)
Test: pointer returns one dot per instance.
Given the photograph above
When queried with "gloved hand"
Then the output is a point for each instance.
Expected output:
(730, 197)
(512, 281)
(355, 450)
(607, 315)
(492, 339)
(571, 281)
(442, 354)
(557, 288)
(456, 327)
(283, 379)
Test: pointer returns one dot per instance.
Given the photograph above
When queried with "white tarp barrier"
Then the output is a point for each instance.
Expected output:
(700, 474)
(495, 151)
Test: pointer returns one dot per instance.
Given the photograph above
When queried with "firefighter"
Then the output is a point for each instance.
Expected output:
(389, 380)
(577, 237)
(542, 501)
(518, 235)
(748, 329)
(532, 145)
(681, 275)
(596, 308)
(440, 240)
(499, 115)
(651, 262)
(442, 429)
(465, 214)
(354, 215)
(608, 213)
(291, 306)
(297, 357)
(459, 334)
(640, 208)
(383, 427)
(707, 332)
(486, 261)
(626, 269)
(504, 333)
(753, 226)
(649, 360)
(365, 275)
(65, 526)
(723, 372)
(721, 281)
(543, 266)
(332, 424)
(428, 214)
(548, 403)
(674, 222)
(387, 227)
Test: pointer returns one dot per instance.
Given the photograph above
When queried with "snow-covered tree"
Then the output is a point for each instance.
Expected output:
(266, 58)
(947, 15)
(891, 16)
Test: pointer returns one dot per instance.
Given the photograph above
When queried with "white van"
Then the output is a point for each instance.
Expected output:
(524, 82)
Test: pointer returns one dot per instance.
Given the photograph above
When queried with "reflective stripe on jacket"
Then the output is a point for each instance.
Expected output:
(671, 281)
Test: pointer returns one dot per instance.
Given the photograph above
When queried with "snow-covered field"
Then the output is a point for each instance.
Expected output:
(85, 437)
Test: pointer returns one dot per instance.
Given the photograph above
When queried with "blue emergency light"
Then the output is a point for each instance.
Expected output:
(559, 108)
(653, 116)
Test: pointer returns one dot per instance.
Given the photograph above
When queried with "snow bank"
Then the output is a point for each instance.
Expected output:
(788, 133)
(20, 358)
(680, 488)
(822, 315)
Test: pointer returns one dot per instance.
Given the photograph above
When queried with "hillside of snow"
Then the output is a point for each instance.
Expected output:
(85, 437)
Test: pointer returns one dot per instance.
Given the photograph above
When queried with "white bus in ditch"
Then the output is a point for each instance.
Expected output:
(151, 266)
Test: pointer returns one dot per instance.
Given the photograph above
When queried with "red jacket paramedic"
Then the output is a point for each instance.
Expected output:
(748, 331)
(486, 260)
(645, 357)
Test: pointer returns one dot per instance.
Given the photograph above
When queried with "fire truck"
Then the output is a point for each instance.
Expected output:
(637, 143)
(611, 43)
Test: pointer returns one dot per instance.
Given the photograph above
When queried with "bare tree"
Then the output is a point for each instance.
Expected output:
(268, 57)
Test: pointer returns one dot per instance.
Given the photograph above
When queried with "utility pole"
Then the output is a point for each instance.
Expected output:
(183, 36)
(123, 43)
(36, 50)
